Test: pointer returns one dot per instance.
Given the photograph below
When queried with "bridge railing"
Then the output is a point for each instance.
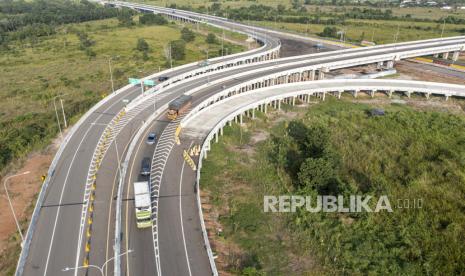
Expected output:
(51, 171)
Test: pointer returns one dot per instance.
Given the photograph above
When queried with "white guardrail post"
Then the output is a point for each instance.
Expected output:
(50, 173)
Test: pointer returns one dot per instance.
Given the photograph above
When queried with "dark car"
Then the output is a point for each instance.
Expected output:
(145, 166)
(152, 138)
(163, 78)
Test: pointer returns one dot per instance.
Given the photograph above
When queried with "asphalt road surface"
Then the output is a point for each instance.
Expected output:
(55, 242)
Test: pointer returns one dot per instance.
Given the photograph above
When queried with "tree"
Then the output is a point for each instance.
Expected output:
(187, 35)
(142, 45)
(178, 49)
(319, 174)
(125, 17)
(362, 37)
(152, 19)
(281, 8)
(215, 7)
(211, 38)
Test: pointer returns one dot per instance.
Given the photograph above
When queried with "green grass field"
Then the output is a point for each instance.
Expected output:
(407, 154)
(31, 75)
(415, 12)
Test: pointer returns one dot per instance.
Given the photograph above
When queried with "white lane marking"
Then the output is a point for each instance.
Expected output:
(66, 181)
(61, 198)
(114, 132)
(180, 215)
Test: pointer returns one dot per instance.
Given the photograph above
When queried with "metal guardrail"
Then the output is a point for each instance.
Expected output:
(51, 171)
(330, 65)
(206, 241)
(456, 90)
(159, 89)
(40, 200)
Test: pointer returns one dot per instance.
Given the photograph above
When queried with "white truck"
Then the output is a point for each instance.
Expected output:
(142, 204)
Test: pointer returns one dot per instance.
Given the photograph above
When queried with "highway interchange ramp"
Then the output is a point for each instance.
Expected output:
(84, 214)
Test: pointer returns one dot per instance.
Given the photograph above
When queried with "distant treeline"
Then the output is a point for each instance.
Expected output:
(21, 19)
(298, 14)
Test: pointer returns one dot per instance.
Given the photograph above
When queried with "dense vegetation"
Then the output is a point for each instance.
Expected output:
(337, 148)
(298, 13)
(378, 22)
(20, 20)
(72, 62)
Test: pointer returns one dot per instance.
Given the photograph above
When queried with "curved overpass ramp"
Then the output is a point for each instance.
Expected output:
(178, 197)
(107, 143)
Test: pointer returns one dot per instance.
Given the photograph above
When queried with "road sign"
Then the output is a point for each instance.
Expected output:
(149, 82)
(134, 81)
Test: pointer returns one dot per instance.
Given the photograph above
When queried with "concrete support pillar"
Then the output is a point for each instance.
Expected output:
(447, 97)
(312, 75)
(372, 93)
(221, 131)
(240, 116)
(390, 94)
(324, 94)
(339, 94)
(235, 119)
(455, 56)
(436, 55)
(427, 95)
(445, 55)
(279, 104)
(265, 108)
(230, 123)
(379, 65)
(216, 137)
(390, 64)
(321, 75)
(253, 113)
(355, 93)
(408, 93)
(293, 100)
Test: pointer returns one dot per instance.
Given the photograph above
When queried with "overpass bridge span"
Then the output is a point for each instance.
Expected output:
(207, 122)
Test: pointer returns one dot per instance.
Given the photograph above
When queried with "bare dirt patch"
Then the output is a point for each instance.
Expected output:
(280, 116)
(22, 190)
(259, 136)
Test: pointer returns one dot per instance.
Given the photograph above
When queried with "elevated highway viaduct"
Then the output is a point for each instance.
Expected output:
(170, 240)
(83, 183)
